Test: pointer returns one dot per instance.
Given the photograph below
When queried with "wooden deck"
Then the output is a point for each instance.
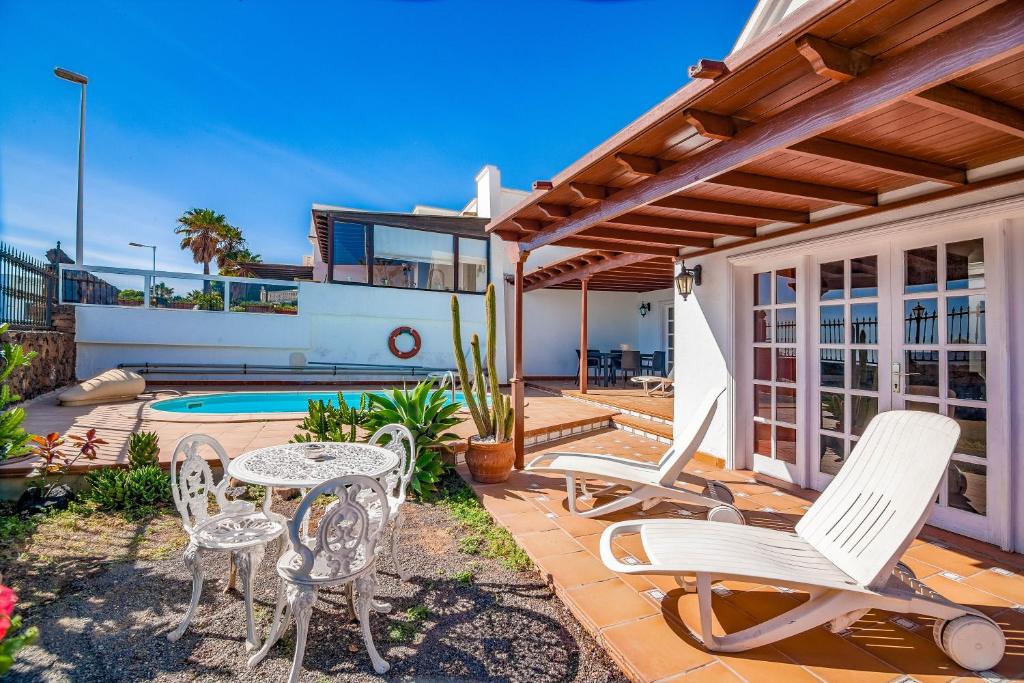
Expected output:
(622, 396)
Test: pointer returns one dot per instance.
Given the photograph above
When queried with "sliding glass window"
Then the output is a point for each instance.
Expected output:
(472, 265)
(349, 252)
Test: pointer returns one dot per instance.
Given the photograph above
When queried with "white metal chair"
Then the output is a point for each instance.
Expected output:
(343, 552)
(646, 484)
(235, 529)
(399, 439)
(654, 383)
(844, 552)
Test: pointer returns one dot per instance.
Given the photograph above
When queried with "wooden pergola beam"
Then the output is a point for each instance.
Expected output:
(608, 264)
(644, 237)
(640, 165)
(763, 213)
(878, 160)
(581, 242)
(795, 188)
(662, 223)
(590, 191)
(988, 37)
(711, 125)
(554, 210)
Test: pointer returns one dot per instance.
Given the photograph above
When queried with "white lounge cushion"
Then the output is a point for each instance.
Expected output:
(110, 385)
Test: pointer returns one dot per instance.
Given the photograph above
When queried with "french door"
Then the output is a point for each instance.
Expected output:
(670, 337)
(905, 326)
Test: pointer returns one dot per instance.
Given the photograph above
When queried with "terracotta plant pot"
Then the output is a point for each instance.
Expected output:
(490, 463)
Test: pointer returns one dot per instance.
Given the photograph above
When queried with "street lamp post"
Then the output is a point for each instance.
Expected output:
(72, 77)
(146, 246)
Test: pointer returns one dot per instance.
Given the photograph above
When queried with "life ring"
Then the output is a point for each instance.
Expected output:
(396, 333)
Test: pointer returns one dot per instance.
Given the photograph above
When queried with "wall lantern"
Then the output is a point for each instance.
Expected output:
(687, 279)
(645, 308)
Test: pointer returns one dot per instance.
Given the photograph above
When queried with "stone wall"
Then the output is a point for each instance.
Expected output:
(54, 365)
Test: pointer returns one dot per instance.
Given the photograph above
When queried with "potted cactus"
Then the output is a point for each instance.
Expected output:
(491, 453)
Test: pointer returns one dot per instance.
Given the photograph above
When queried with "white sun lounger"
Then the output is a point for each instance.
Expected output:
(662, 384)
(844, 552)
(645, 484)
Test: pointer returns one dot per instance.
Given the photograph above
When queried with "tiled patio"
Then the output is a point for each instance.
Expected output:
(640, 620)
(625, 395)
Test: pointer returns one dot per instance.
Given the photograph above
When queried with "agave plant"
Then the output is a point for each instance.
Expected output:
(327, 422)
(426, 412)
(493, 422)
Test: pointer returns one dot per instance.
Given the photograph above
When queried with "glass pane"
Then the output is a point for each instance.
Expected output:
(785, 405)
(785, 444)
(763, 364)
(763, 439)
(966, 375)
(920, 321)
(832, 368)
(832, 415)
(193, 295)
(922, 373)
(965, 486)
(349, 252)
(923, 406)
(864, 323)
(862, 409)
(921, 269)
(864, 370)
(83, 287)
(864, 276)
(965, 264)
(413, 259)
(785, 325)
(262, 298)
(832, 285)
(763, 325)
(965, 319)
(762, 289)
(832, 324)
(973, 429)
(785, 286)
(785, 365)
(472, 265)
(832, 454)
(763, 401)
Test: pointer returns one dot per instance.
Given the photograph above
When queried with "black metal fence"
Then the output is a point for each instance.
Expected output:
(28, 287)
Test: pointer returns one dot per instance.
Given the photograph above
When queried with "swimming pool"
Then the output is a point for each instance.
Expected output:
(266, 402)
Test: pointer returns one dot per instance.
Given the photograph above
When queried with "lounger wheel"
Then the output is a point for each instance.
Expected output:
(905, 569)
(973, 642)
(725, 513)
(718, 491)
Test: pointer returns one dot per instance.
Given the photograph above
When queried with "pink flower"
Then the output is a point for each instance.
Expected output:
(7, 601)
(5, 623)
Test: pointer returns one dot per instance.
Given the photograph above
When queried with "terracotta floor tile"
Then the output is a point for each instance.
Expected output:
(542, 544)
(559, 507)
(574, 569)
(1012, 623)
(509, 505)
(1008, 587)
(964, 594)
(592, 543)
(920, 568)
(655, 648)
(581, 526)
(527, 522)
(912, 653)
(611, 602)
(715, 672)
(947, 559)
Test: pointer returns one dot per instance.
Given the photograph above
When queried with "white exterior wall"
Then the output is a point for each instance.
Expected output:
(651, 328)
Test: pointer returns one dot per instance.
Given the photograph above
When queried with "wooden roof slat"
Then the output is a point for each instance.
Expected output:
(631, 247)
(994, 35)
(677, 240)
(641, 220)
(766, 213)
(880, 160)
(607, 264)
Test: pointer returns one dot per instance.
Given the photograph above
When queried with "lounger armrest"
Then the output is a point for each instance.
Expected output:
(608, 557)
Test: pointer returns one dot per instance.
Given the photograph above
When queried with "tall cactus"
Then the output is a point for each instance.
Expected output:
(494, 421)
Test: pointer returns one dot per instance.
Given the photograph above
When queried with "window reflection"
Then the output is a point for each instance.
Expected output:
(785, 286)
(762, 289)
(472, 265)
(966, 487)
(832, 324)
(973, 429)
(762, 326)
(922, 373)
(412, 259)
(923, 406)
(966, 375)
(864, 323)
(965, 319)
(832, 411)
(763, 401)
(832, 454)
(920, 321)
(965, 264)
(862, 409)
(763, 439)
(785, 405)
(785, 444)
(832, 364)
(864, 276)
(832, 284)
(785, 365)
(864, 370)
(349, 252)
(785, 325)
(763, 364)
(921, 269)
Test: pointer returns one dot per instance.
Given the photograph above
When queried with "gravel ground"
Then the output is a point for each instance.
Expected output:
(105, 592)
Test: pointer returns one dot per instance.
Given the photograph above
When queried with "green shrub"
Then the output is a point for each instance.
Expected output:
(329, 422)
(143, 449)
(485, 538)
(108, 488)
(14, 440)
(148, 486)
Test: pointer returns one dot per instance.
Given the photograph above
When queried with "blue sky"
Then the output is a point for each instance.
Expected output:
(258, 109)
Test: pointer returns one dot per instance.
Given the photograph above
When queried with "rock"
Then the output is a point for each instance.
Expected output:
(58, 499)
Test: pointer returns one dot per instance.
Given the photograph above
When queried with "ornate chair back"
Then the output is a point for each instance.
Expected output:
(346, 538)
(192, 479)
(399, 439)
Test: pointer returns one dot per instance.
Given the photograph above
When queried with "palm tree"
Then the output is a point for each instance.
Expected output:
(233, 258)
(204, 231)
(231, 243)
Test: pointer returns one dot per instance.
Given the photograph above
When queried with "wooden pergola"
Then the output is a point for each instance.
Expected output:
(822, 119)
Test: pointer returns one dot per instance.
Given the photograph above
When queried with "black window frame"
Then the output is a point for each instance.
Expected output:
(368, 229)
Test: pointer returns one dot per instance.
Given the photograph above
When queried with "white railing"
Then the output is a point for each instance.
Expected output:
(109, 286)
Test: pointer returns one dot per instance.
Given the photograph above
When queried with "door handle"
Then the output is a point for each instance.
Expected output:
(897, 372)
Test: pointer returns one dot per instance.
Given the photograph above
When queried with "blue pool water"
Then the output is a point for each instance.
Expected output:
(276, 402)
